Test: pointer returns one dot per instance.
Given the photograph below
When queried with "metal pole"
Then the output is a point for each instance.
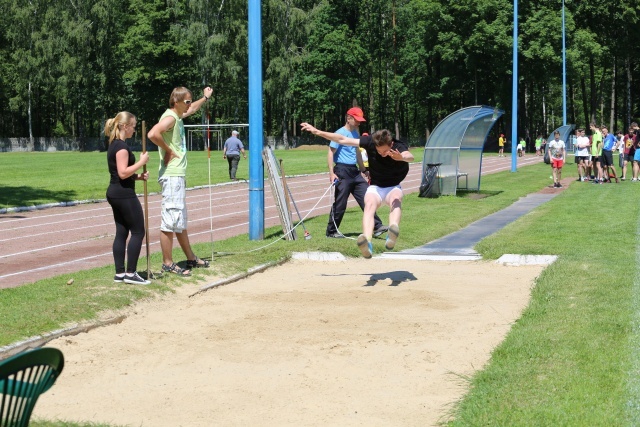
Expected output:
(146, 201)
(564, 72)
(256, 168)
(514, 94)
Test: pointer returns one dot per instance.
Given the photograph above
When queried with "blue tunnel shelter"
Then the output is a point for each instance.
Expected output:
(453, 153)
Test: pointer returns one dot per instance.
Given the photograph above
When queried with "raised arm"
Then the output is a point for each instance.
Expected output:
(336, 137)
(195, 105)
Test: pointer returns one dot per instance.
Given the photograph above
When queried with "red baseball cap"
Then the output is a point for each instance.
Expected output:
(356, 113)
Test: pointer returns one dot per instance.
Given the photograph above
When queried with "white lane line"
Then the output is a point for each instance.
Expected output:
(16, 273)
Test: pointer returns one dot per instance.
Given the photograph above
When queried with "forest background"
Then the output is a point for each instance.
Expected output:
(67, 65)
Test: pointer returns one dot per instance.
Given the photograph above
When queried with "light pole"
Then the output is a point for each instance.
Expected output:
(564, 73)
(256, 169)
(514, 94)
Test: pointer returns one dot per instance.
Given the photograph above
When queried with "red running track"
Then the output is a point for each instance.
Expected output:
(40, 244)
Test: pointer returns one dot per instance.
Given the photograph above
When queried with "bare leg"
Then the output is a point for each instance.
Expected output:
(598, 171)
(166, 244)
(371, 204)
(183, 240)
(394, 200)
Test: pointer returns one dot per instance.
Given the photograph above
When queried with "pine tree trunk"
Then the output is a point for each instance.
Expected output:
(30, 121)
(628, 65)
(544, 112)
(613, 97)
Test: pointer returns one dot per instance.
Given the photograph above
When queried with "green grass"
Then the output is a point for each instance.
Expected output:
(36, 178)
(568, 359)
(571, 359)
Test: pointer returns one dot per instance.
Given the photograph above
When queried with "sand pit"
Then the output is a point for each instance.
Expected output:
(358, 342)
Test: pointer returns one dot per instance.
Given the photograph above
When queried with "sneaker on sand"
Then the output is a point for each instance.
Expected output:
(392, 236)
(365, 246)
(135, 279)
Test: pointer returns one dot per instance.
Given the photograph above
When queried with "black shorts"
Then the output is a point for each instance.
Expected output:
(595, 159)
(628, 157)
(607, 158)
(582, 159)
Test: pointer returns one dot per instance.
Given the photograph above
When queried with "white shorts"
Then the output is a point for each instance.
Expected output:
(383, 192)
(174, 208)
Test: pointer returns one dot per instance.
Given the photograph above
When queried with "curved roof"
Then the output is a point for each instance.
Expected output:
(456, 146)
(464, 127)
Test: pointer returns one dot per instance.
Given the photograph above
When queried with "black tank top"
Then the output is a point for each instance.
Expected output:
(120, 188)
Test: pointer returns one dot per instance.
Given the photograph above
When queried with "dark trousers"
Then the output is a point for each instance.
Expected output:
(129, 218)
(350, 181)
(233, 160)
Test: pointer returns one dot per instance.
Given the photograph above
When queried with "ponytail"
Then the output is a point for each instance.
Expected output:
(112, 126)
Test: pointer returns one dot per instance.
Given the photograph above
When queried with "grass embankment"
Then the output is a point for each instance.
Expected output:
(569, 360)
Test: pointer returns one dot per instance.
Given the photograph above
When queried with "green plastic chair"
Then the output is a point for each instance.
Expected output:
(23, 378)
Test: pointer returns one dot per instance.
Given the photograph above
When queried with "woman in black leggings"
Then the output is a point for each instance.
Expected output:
(121, 195)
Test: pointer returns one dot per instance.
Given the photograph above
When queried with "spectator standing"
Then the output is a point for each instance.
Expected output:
(556, 156)
(232, 149)
(121, 195)
(608, 143)
(539, 140)
(521, 147)
(596, 152)
(629, 151)
(168, 134)
(501, 142)
(582, 154)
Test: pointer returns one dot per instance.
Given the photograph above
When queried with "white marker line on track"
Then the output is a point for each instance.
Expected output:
(56, 265)
(55, 246)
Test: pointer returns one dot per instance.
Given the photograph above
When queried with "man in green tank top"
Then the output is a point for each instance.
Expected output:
(169, 136)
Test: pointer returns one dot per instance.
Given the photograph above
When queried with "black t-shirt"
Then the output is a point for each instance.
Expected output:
(120, 188)
(385, 172)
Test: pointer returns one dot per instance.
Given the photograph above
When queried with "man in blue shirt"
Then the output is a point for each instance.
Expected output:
(608, 142)
(232, 149)
(345, 170)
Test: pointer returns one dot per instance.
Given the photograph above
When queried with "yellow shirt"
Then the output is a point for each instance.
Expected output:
(175, 139)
